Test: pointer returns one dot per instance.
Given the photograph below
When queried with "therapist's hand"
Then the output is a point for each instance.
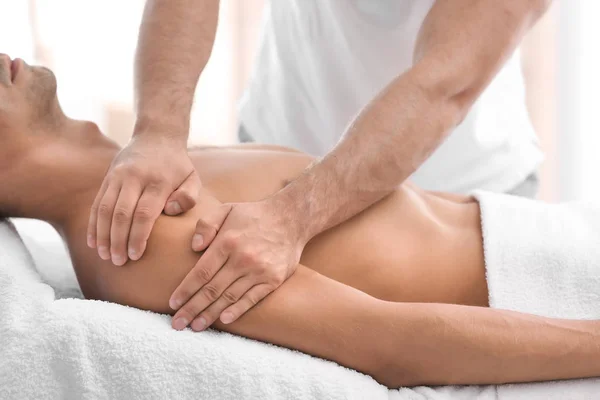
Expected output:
(151, 174)
(256, 247)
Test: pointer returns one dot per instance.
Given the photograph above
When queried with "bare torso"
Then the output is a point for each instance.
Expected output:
(412, 246)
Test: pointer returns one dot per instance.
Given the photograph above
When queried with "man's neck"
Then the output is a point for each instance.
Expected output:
(56, 181)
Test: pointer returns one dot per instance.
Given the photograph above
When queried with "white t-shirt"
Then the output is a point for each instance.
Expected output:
(321, 61)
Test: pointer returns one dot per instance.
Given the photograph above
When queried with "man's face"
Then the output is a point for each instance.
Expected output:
(27, 97)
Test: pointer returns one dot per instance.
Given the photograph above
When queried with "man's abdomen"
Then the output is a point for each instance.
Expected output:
(407, 248)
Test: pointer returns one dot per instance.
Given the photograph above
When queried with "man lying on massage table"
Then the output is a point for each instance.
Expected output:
(398, 292)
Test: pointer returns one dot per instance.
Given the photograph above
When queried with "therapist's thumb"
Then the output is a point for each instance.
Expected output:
(184, 198)
(208, 226)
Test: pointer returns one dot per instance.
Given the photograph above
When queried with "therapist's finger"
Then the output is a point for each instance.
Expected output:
(208, 226)
(121, 221)
(92, 223)
(147, 211)
(208, 295)
(203, 272)
(248, 300)
(105, 214)
(231, 295)
(184, 198)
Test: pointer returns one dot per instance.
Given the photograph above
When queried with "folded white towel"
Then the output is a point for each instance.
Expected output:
(542, 258)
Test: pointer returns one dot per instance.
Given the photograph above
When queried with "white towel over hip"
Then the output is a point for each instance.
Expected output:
(542, 258)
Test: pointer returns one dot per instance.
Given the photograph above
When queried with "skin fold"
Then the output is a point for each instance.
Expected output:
(397, 292)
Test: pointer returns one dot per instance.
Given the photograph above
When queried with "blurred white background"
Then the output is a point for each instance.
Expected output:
(90, 45)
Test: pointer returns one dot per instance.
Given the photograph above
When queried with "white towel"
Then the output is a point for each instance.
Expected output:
(541, 258)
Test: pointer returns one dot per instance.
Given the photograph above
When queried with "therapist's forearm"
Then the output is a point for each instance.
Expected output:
(175, 42)
(461, 46)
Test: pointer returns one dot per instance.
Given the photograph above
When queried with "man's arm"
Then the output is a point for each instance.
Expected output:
(153, 172)
(399, 344)
(174, 45)
(446, 344)
(411, 344)
(460, 47)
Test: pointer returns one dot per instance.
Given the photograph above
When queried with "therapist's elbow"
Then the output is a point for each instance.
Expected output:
(397, 373)
(394, 377)
(449, 96)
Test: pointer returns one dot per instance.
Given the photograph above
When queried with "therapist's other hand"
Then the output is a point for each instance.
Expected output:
(251, 249)
(149, 175)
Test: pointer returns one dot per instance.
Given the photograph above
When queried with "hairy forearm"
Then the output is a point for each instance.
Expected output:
(174, 45)
(461, 46)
